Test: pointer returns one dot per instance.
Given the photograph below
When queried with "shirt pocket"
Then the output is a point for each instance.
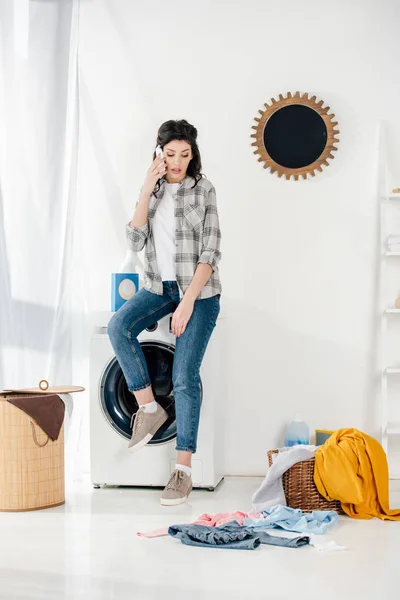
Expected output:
(193, 217)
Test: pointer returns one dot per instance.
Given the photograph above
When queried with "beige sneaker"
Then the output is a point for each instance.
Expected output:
(177, 489)
(145, 427)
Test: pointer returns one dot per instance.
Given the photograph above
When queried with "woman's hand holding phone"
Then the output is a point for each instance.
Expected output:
(157, 170)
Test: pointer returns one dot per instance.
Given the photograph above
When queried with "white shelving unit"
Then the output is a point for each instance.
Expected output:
(388, 373)
(394, 430)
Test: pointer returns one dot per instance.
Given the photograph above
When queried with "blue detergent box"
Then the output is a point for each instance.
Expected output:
(123, 287)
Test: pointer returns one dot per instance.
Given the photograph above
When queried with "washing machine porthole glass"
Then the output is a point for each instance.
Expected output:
(119, 404)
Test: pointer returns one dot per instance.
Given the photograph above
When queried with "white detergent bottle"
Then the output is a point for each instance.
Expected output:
(127, 280)
(131, 264)
(297, 432)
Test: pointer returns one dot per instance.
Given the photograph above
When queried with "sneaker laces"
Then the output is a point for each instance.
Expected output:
(175, 480)
(138, 416)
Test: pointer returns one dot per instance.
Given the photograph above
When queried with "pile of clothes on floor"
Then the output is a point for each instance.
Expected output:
(350, 467)
(247, 531)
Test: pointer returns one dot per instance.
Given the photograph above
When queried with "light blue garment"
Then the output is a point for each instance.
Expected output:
(294, 519)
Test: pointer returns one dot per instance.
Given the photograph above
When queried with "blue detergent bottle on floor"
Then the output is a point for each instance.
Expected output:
(297, 432)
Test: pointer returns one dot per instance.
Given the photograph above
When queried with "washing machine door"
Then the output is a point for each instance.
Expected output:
(119, 404)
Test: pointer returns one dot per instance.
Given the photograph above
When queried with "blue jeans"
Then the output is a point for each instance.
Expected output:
(232, 535)
(143, 310)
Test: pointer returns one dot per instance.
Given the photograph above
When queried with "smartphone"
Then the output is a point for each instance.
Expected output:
(159, 154)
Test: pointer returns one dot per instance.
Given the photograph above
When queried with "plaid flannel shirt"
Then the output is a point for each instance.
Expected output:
(197, 237)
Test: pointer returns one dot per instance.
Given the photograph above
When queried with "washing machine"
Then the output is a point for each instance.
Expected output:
(112, 405)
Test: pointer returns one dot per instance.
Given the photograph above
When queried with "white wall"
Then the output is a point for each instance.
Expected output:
(299, 258)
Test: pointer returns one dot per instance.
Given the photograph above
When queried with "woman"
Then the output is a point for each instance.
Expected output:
(176, 220)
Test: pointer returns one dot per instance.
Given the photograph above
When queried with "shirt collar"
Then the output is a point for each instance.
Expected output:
(187, 181)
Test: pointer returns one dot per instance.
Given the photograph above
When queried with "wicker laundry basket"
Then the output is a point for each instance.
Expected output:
(300, 489)
(31, 464)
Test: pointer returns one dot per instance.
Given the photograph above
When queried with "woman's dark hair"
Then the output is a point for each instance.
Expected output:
(181, 130)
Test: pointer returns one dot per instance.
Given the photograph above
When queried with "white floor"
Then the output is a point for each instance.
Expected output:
(89, 549)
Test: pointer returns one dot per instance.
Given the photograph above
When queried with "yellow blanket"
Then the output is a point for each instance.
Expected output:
(352, 467)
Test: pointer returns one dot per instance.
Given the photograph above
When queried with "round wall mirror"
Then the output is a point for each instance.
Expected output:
(295, 136)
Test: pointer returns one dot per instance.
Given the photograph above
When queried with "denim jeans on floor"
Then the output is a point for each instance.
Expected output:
(141, 311)
(233, 536)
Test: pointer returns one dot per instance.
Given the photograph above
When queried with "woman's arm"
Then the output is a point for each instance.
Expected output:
(142, 210)
(208, 261)
(185, 309)
(137, 230)
(200, 278)
(211, 253)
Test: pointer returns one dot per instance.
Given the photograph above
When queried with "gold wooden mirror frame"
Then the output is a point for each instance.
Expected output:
(290, 100)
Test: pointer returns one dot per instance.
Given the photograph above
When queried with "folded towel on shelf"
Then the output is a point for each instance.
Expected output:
(393, 239)
(393, 243)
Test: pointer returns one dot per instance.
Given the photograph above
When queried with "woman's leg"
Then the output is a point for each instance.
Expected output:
(141, 311)
(189, 353)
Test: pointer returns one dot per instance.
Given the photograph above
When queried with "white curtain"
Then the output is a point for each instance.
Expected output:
(42, 301)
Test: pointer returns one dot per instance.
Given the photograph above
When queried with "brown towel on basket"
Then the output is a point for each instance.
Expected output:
(47, 410)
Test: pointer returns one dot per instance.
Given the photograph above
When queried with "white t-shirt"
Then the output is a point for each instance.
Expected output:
(164, 233)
